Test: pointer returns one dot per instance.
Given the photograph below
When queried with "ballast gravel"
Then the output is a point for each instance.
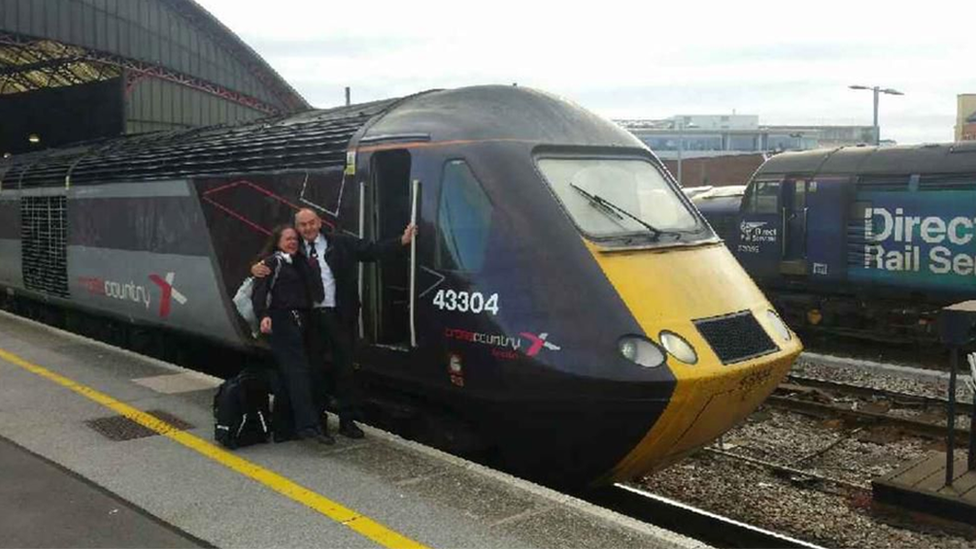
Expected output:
(808, 507)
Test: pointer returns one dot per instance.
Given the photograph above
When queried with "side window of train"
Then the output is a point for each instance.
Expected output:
(763, 198)
(799, 195)
(463, 218)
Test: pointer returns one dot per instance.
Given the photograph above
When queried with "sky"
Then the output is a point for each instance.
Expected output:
(788, 62)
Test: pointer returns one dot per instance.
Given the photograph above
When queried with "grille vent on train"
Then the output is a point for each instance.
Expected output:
(43, 237)
(735, 337)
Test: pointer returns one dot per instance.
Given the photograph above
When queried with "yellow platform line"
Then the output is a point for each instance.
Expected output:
(290, 489)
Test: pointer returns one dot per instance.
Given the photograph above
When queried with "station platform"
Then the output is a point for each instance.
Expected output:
(117, 450)
(921, 486)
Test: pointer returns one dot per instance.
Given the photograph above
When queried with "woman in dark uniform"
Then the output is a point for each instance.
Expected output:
(294, 285)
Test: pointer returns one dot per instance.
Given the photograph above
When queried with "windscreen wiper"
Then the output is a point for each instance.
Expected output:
(597, 202)
(607, 205)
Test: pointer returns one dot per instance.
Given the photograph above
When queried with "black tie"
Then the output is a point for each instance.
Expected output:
(312, 252)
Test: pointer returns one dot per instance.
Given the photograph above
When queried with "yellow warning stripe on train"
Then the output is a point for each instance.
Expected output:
(335, 511)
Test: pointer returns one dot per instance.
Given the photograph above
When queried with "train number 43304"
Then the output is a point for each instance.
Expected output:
(466, 302)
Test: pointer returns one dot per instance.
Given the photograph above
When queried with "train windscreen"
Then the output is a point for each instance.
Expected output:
(611, 197)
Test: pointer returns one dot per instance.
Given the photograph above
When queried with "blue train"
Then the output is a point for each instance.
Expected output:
(866, 241)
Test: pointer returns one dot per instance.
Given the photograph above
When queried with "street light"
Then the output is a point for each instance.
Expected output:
(876, 90)
(681, 141)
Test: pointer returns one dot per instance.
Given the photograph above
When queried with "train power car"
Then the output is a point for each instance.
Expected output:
(866, 241)
(563, 300)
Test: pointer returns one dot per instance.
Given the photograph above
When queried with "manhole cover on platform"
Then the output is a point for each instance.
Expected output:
(123, 428)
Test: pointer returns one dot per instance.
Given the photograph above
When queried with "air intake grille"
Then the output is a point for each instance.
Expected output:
(735, 337)
(43, 236)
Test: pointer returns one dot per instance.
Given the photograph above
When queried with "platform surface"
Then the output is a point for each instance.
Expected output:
(381, 491)
(921, 486)
(33, 490)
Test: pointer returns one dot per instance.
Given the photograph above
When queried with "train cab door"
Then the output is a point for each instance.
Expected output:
(758, 246)
(794, 218)
(390, 204)
(827, 209)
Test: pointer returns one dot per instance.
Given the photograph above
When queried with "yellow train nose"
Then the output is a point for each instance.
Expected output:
(696, 293)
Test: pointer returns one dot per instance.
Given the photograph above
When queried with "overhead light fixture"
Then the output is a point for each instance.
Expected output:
(34, 138)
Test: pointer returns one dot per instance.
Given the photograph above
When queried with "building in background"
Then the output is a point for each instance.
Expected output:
(966, 117)
(717, 171)
(718, 135)
(75, 70)
(727, 149)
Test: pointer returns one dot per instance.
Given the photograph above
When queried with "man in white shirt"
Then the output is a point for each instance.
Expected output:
(333, 320)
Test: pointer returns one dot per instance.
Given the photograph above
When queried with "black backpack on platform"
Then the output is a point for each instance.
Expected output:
(241, 413)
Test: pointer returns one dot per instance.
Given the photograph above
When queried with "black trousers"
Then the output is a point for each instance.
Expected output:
(328, 335)
(288, 330)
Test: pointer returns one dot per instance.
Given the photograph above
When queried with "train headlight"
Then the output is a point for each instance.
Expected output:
(641, 351)
(678, 347)
(782, 330)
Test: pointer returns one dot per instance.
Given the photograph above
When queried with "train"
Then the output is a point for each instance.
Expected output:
(564, 305)
(868, 242)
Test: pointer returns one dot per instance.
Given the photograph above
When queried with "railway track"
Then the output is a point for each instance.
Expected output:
(710, 528)
(793, 473)
(900, 399)
(860, 407)
(864, 405)
(927, 355)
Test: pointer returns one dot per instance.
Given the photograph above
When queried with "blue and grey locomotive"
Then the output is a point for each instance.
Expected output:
(865, 241)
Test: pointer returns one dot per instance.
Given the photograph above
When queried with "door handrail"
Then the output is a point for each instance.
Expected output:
(362, 234)
(415, 193)
(783, 235)
(806, 237)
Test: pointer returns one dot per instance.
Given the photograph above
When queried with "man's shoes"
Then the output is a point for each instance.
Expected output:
(320, 438)
(349, 429)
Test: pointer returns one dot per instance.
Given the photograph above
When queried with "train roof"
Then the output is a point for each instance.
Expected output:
(719, 200)
(500, 112)
(317, 139)
(913, 159)
(721, 192)
(312, 139)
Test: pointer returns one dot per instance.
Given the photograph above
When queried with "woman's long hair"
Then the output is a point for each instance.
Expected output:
(271, 246)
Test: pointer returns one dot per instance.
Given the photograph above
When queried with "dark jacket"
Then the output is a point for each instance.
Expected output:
(298, 286)
(342, 256)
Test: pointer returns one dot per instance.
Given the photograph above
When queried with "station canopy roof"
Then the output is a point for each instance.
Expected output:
(58, 43)
(48, 64)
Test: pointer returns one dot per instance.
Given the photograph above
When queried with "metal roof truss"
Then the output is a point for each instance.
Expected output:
(28, 64)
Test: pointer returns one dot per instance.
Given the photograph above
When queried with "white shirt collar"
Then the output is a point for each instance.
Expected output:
(319, 240)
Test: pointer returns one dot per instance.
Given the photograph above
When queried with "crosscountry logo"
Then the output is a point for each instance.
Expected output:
(538, 342)
(169, 293)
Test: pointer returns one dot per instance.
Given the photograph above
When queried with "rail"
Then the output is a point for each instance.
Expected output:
(927, 429)
(708, 527)
(896, 397)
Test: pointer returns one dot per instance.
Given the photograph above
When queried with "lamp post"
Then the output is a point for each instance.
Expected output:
(681, 141)
(876, 90)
